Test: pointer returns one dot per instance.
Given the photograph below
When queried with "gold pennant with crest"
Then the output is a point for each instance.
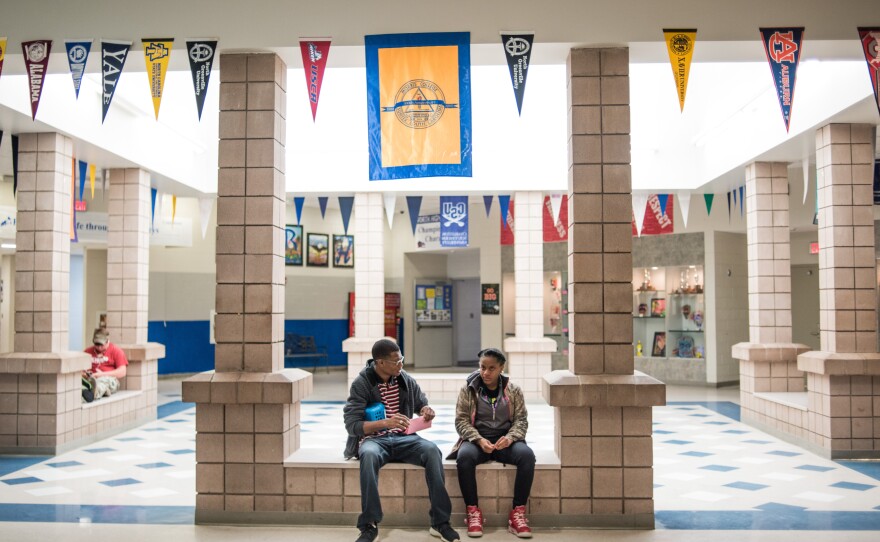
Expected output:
(156, 54)
(680, 45)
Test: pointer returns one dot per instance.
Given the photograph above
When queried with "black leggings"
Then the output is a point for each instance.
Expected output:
(470, 455)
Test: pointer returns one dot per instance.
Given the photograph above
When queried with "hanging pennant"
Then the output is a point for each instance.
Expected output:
(555, 226)
(742, 201)
(157, 51)
(390, 199)
(504, 202)
(201, 56)
(555, 205)
(507, 236)
(173, 207)
(728, 206)
(14, 164)
(205, 206)
(345, 205)
(684, 205)
(105, 178)
(708, 198)
(487, 202)
(77, 55)
(680, 46)
(154, 194)
(113, 55)
(298, 202)
(314, 56)
(783, 48)
(413, 204)
(92, 179)
(36, 63)
(160, 207)
(734, 198)
(870, 38)
(662, 199)
(83, 168)
(639, 204)
(2, 52)
(322, 203)
(805, 165)
(518, 51)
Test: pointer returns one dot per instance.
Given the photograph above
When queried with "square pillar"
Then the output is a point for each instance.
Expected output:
(603, 406)
(247, 410)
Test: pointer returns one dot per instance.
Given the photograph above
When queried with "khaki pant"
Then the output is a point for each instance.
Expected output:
(105, 386)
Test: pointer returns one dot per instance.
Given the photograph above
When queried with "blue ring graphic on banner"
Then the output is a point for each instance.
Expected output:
(414, 108)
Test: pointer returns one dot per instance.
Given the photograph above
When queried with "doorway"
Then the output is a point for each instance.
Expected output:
(466, 321)
(805, 305)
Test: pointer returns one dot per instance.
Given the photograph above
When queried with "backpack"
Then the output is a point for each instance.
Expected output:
(88, 390)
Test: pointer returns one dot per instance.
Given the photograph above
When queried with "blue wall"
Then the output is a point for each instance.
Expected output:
(188, 349)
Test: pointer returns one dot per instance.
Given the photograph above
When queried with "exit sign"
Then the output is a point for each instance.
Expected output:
(814, 248)
(79, 206)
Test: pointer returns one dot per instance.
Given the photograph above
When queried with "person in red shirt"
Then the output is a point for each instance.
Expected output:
(108, 364)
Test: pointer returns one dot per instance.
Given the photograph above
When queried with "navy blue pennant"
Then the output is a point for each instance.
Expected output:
(414, 203)
(298, 203)
(322, 202)
(345, 205)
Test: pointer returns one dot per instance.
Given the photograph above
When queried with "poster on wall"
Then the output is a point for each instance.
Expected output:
(392, 315)
(428, 232)
(434, 303)
(318, 250)
(343, 251)
(293, 245)
(491, 299)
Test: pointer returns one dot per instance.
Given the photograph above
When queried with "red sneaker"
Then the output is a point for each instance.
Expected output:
(474, 521)
(517, 522)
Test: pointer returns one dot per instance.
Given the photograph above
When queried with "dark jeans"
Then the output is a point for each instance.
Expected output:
(413, 449)
(470, 455)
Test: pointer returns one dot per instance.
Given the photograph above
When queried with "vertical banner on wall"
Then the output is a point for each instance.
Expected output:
(453, 221)
(201, 56)
(680, 45)
(419, 105)
(314, 56)
(77, 55)
(157, 51)
(783, 48)
(555, 218)
(36, 63)
(518, 51)
(870, 38)
(2, 52)
(113, 55)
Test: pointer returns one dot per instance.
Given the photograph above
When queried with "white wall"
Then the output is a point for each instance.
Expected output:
(727, 303)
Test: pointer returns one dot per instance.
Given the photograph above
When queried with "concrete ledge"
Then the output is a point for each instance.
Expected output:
(121, 395)
(540, 344)
(564, 388)
(326, 458)
(832, 363)
(771, 352)
(793, 399)
(143, 352)
(44, 362)
(283, 387)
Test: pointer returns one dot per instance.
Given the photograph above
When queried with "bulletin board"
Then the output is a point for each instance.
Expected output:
(433, 303)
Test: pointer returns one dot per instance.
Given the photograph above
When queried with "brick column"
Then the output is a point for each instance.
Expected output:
(842, 377)
(247, 412)
(40, 381)
(768, 362)
(603, 407)
(369, 281)
(529, 351)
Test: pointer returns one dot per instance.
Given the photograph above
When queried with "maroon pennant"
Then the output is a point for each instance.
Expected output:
(870, 38)
(314, 55)
(36, 64)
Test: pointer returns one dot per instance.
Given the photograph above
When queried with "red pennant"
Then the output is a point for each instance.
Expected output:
(36, 64)
(314, 55)
(870, 38)
(507, 233)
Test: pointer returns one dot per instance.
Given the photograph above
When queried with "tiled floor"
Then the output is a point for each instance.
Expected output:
(711, 472)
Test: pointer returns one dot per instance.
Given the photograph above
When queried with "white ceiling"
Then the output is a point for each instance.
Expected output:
(731, 116)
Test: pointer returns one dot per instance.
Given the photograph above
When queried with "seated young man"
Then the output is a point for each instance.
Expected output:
(108, 364)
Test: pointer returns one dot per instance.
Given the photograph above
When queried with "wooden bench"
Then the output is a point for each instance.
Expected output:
(302, 347)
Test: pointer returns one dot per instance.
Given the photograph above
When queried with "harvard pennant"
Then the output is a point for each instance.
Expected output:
(680, 45)
(870, 38)
(156, 54)
(783, 48)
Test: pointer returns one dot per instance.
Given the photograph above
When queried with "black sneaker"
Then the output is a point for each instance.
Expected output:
(368, 533)
(445, 533)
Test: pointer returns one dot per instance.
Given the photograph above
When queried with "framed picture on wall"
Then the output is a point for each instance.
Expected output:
(293, 245)
(318, 255)
(659, 348)
(343, 251)
(658, 307)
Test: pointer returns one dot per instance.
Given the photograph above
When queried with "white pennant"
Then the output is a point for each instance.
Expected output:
(555, 206)
(157, 213)
(205, 206)
(390, 199)
(684, 204)
(806, 165)
(640, 203)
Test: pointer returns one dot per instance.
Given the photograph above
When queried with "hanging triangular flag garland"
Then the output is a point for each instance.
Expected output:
(345, 205)
(322, 203)
(413, 204)
(639, 204)
(742, 201)
(684, 204)
(157, 52)
(518, 51)
(504, 205)
(708, 198)
(205, 206)
(487, 202)
(113, 55)
(870, 38)
(680, 45)
(77, 55)
(83, 169)
(783, 48)
(92, 179)
(201, 56)
(555, 206)
(314, 57)
(2, 52)
(36, 63)
(14, 164)
(298, 202)
(153, 196)
(390, 200)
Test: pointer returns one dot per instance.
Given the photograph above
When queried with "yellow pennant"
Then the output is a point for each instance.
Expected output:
(680, 44)
(173, 207)
(156, 54)
(2, 50)
(92, 179)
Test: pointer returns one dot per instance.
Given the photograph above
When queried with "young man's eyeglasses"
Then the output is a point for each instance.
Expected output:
(395, 362)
